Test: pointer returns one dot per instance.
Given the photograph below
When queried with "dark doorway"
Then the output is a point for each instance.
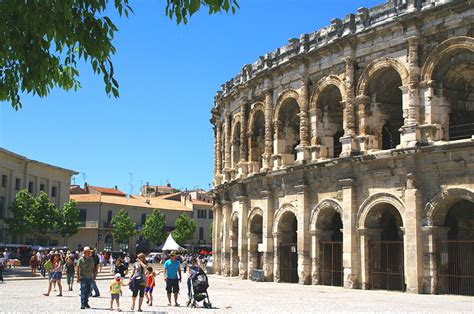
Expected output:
(456, 254)
(331, 254)
(288, 248)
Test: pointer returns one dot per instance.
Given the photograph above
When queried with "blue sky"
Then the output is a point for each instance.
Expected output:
(159, 128)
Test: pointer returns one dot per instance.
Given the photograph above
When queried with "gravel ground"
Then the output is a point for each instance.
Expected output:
(233, 295)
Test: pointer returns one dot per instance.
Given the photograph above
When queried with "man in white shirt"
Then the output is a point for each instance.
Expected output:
(2, 266)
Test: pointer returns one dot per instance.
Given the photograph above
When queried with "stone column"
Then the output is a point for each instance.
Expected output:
(276, 257)
(431, 237)
(227, 147)
(252, 244)
(348, 143)
(413, 240)
(315, 257)
(243, 242)
(301, 149)
(217, 237)
(268, 244)
(226, 238)
(243, 141)
(349, 243)
(367, 141)
(303, 240)
(411, 100)
(218, 174)
(267, 156)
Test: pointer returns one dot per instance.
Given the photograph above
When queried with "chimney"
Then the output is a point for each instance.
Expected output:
(116, 187)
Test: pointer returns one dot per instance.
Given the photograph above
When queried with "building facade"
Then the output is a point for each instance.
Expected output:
(98, 209)
(19, 172)
(346, 157)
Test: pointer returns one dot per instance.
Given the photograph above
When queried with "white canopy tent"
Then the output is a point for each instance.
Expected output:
(171, 245)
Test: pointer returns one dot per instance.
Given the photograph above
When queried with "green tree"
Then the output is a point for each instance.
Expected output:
(43, 215)
(41, 41)
(154, 228)
(68, 220)
(20, 209)
(123, 227)
(185, 227)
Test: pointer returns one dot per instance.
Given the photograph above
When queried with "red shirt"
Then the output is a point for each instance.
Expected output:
(150, 281)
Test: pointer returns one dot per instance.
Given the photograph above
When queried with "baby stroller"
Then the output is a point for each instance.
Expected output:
(198, 291)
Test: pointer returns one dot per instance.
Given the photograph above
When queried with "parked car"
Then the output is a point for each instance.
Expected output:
(153, 257)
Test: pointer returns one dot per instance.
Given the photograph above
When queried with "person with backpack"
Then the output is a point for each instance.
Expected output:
(138, 281)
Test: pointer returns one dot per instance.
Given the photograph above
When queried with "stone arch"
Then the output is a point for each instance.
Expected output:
(235, 120)
(324, 204)
(254, 212)
(437, 208)
(377, 65)
(280, 212)
(379, 199)
(324, 83)
(443, 50)
(256, 107)
(284, 96)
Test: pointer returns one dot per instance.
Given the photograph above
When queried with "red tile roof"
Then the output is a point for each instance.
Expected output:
(108, 191)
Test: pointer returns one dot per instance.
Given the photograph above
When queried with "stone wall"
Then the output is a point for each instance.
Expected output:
(368, 140)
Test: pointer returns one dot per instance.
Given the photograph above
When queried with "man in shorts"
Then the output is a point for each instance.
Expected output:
(172, 273)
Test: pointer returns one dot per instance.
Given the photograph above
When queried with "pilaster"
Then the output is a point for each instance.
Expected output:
(303, 240)
(267, 225)
(267, 158)
(243, 242)
(225, 258)
(349, 233)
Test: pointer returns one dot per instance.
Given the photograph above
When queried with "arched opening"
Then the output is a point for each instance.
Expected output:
(289, 134)
(329, 232)
(454, 76)
(257, 141)
(387, 110)
(236, 146)
(256, 238)
(287, 237)
(385, 240)
(331, 120)
(234, 249)
(108, 242)
(456, 251)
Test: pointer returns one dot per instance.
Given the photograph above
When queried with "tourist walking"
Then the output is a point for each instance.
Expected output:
(101, 261)
(171, 272)
(2, 266)
(96, 268)
(150, 284)
(85, 273)
(56, 275)
(69, 269)
(120, 268)
(193, 270)
(137, 281)
(33, 264)
(116, 291)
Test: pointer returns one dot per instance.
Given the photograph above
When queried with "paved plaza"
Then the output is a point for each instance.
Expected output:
(233, 295)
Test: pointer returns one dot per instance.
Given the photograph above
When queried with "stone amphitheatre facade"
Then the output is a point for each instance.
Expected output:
(346, 157)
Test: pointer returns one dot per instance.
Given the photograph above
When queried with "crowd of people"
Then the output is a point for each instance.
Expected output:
(83, 267)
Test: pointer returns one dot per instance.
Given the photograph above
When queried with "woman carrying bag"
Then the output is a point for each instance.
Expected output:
(138, 281)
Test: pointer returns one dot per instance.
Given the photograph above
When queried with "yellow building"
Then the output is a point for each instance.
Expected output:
(19, 172)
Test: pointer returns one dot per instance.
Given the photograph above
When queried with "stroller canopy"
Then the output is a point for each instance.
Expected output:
(171, 245)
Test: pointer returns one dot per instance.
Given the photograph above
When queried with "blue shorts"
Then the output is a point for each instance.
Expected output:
(149, 289)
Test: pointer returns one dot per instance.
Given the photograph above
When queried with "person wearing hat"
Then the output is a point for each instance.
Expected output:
(116, 290)
(171, 271)
(85, 274)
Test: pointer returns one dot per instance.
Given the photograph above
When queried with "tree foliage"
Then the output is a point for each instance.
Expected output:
(20, 209)
(154, 228)
(184, 230)
(41, 41)
(68, 219)
(123, 227)
(43, 215)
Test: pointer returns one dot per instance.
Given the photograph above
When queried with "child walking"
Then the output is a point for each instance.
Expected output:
(150, 284)
(116, 291)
